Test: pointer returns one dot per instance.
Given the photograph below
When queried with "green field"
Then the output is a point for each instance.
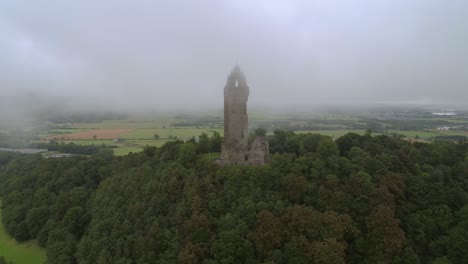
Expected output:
(332, 133)
(144, 143)
(157, 122)
(60, 131)
(181, 133)
(92, 142)
(412, 134)
(167, 126)
(20, 253)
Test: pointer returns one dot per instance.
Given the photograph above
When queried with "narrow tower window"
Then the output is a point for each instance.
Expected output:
(237, 84)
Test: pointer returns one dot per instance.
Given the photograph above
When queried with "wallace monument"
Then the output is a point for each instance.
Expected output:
(236, 148)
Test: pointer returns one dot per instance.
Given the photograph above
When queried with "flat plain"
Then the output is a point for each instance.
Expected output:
(132, 134)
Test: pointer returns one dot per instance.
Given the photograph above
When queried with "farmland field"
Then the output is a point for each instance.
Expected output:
(134, 133)
(91, 142)
(60, 131)
(332, 133)
(165, 133)
(91, 134)
(414, 134)
(132, 123)
(144, 143)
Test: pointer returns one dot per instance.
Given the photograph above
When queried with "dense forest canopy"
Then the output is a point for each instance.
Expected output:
(359, 199)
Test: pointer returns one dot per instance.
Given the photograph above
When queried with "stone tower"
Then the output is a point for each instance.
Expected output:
(235, 148)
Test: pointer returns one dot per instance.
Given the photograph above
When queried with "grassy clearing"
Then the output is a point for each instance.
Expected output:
(165, 133)
(20, 253)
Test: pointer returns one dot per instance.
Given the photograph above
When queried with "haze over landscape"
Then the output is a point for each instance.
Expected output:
(176, 54)
(234, 131)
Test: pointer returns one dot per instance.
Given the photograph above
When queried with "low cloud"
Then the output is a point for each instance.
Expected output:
(177, 54)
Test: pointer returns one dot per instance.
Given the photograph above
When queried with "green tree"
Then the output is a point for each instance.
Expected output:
(36, 219)
(269, 230)
(327, 147)
(295, 187)
(385, 237)
(187, 153)
(310, 142)
(204, 144)
(329, 251)
(260, 132)
(216, 141)
(458, 238)
(231, 245)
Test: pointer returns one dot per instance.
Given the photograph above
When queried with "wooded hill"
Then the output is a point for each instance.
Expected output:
(359, 199)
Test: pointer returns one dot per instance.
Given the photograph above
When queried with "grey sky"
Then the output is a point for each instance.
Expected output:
(178, 53)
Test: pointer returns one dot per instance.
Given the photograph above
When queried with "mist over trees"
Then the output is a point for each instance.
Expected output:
(359, 199)
(75, 67)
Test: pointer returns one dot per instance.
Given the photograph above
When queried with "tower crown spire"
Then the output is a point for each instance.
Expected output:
(236, 82)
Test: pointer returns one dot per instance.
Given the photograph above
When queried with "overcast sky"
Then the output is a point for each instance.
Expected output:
(179, 53)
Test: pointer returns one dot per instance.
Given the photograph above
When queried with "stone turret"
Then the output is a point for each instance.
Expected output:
(235, 148)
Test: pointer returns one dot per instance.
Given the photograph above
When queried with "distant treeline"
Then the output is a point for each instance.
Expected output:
(403, 120)
(358, 199)
(414, 124)
(70, 147)
(451, 138)
(309, 124)
(201, 123)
